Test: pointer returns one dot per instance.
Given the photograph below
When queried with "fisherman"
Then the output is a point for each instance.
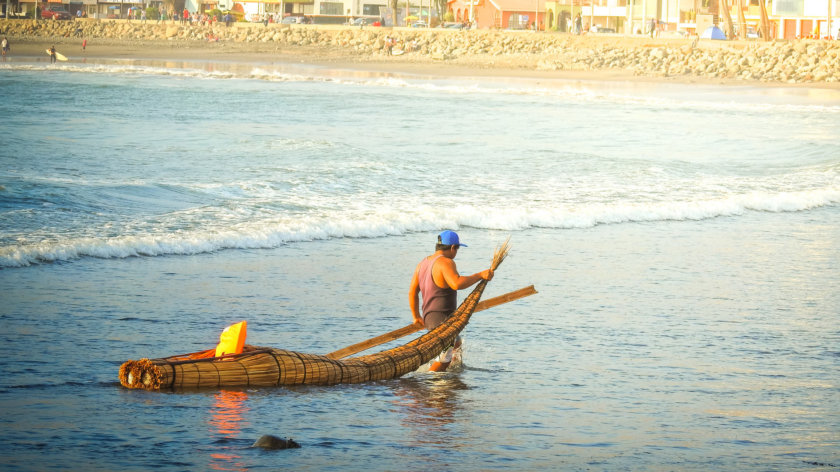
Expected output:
(436, 278)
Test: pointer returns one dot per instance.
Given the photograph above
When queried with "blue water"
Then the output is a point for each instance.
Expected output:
(684, 239)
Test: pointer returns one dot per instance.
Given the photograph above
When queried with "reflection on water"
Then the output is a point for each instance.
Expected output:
(228, 407)
(226, 420)
(428, 403)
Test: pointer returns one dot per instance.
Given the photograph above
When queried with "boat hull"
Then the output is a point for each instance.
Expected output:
(264, 366)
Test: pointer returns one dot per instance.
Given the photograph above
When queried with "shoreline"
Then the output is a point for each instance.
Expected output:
(415, 65)
(445, 53)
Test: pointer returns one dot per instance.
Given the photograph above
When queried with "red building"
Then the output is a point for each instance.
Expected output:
(500, 14)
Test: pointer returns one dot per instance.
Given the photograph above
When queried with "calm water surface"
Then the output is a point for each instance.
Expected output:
(684, 240)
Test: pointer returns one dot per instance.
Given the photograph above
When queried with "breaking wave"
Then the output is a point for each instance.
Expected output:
(272, 233)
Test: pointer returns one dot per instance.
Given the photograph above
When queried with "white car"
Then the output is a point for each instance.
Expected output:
(291, 20)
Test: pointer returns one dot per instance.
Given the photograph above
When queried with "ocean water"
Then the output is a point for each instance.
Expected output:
(684, 239)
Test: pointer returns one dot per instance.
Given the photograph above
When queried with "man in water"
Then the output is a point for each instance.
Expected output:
(436, 278)
(52, 54)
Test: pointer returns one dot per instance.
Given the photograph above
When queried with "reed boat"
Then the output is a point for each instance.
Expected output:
(259, 366)
(255, 366)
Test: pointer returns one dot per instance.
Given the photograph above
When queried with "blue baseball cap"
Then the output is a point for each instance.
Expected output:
(450, 238)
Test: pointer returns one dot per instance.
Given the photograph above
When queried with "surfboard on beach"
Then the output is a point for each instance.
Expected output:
(58, 55)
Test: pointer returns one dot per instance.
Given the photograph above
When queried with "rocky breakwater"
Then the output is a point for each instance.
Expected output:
(776, 61)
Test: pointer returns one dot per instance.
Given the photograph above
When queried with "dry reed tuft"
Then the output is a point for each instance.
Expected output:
(500, 254)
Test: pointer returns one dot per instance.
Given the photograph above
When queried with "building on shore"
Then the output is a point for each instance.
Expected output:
(500, 14)
(336, 12)
(784, 19)
(807, 19)
(605, 16)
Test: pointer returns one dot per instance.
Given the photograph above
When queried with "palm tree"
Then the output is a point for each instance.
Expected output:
(765, 25)
(727, 19)
(393, 5)
(742, 22)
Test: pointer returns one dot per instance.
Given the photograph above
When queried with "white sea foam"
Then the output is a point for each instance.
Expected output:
(560, 90)
(314, 171)
(274, 232)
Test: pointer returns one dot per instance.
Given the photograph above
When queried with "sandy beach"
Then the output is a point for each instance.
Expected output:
(508, 65)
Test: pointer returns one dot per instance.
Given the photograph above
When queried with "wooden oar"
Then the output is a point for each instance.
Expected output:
(413, 328)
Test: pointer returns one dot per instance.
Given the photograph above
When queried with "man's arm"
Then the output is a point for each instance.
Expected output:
(455, 281)
(414, 299)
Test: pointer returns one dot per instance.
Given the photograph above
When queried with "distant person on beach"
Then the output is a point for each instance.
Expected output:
(4, 45)
(84, 44)
(437, 281)
(52, 54)
(578, 24)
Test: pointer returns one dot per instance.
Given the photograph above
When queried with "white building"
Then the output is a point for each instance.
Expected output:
(324, 11)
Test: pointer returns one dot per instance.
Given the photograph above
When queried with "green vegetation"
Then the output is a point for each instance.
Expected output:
(152, 13)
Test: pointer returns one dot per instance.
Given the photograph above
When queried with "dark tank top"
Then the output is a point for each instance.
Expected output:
(435, 299)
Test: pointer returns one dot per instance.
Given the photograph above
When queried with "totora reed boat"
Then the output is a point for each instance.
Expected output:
(265, 366)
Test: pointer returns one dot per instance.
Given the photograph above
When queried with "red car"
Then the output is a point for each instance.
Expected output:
(55, 12)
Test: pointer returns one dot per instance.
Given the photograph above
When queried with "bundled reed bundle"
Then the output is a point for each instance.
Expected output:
(263, 366)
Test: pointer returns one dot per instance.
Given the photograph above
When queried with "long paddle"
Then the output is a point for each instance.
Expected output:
(413, 328)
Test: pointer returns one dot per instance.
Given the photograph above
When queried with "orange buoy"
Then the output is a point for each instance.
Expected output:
(232, 339)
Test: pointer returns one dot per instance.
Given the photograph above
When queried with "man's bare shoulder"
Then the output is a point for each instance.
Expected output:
(443, 263)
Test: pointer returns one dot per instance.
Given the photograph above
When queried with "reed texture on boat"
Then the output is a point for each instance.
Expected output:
(264, 366)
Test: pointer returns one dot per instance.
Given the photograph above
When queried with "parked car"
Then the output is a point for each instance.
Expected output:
(601, 29)
(290, 20)
(751, 32)
(419, 24)
(366, 22)
(55, 12)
